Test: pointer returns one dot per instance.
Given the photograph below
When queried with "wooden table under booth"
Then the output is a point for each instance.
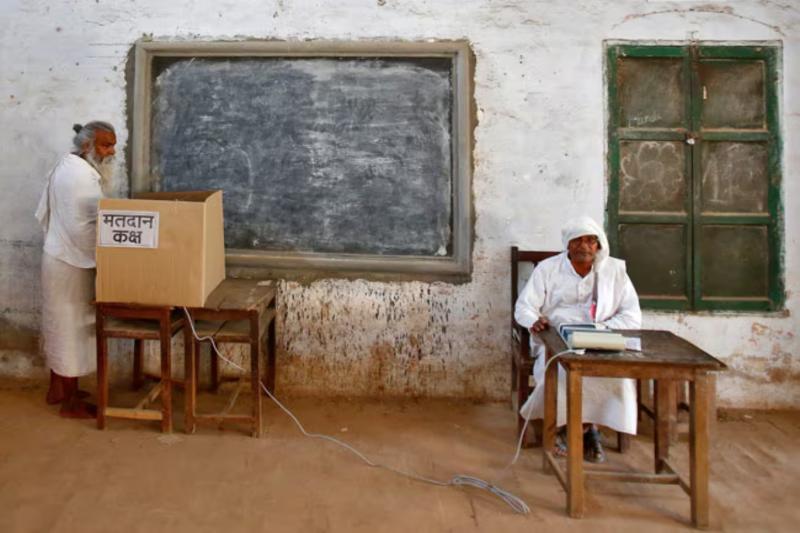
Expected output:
(665, 357)
(140, 323)
(237, 311)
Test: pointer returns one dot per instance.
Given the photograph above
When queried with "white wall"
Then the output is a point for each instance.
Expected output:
(539, 158)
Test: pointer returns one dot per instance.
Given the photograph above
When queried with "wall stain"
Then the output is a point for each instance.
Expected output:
(775, 370)
(342, 338)
(14, 337)
(782, 375)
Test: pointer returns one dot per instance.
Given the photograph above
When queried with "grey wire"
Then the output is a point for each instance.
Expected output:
(513, 501)
(527, 420)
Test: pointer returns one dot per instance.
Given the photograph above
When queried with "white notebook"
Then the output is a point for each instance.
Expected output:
(591, 337)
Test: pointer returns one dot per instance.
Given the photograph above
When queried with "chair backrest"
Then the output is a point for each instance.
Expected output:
(523, 256)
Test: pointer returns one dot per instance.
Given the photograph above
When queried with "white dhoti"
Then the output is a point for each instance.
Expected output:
(68, 318)
(609, 402)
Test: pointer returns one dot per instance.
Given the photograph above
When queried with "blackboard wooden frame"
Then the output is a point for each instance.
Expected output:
(455, 267)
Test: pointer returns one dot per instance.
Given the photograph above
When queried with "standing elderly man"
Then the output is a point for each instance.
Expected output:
(582, 284)
(67, 213)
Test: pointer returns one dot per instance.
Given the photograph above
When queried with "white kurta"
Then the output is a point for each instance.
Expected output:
(68, 211)
(557, 292)
(68, 214)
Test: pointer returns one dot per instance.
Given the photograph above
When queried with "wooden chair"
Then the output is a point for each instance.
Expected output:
(521, 360)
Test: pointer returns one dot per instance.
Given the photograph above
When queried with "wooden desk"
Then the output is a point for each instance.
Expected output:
(138, 322)
(239, 311)
(664, 357)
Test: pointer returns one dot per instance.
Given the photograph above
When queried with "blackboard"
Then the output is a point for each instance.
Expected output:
(341, 159)
(313, 154)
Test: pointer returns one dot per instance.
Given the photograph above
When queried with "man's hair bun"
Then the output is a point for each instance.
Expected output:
(77, 128)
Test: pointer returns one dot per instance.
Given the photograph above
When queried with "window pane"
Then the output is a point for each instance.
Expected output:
(656, 258)
(650, 92)
(652, 176)
(733, 94)
(734, 261)
(734, 177)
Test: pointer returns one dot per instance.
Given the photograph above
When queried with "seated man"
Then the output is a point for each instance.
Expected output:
(582, 284)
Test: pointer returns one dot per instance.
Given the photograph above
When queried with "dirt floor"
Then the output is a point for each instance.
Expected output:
(59, 475)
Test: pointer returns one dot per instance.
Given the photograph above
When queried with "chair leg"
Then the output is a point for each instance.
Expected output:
(538, 431)
(523, 391)
(513, 380)
(638, 400)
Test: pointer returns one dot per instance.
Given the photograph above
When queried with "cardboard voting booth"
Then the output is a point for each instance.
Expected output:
(160, 248)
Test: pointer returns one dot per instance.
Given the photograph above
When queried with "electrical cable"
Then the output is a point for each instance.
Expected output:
(527, 420)
(513, 501)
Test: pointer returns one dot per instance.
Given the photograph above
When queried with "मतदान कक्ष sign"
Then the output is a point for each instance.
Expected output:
(127, 229)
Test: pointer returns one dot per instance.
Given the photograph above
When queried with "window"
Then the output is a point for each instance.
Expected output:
(694, 161)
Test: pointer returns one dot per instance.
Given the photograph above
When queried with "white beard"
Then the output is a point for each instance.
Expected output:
(104, 167)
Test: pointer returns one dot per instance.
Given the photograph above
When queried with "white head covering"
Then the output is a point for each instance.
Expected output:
(578, 227)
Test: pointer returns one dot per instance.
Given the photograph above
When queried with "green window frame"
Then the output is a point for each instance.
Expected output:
(694, 153)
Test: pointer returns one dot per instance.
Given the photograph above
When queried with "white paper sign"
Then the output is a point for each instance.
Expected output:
(127, 229)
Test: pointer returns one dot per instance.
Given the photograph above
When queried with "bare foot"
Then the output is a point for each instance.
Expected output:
(56, 392)
(78, 409)
(54, 397)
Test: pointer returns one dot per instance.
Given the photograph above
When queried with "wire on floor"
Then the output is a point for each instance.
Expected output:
(513, 501)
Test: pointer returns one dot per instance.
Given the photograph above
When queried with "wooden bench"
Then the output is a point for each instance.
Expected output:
(238, 312)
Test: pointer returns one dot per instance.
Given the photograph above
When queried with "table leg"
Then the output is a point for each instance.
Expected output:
(639, 400)
(663, 398)
(166, 371)
(574, 444)
(271, 345)
(712, 403)
(550, 415)
(138, 364)
(673, 411)
(698, 449)
(190, 380)
(214, 368)
(255, 373)
(102, 368)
